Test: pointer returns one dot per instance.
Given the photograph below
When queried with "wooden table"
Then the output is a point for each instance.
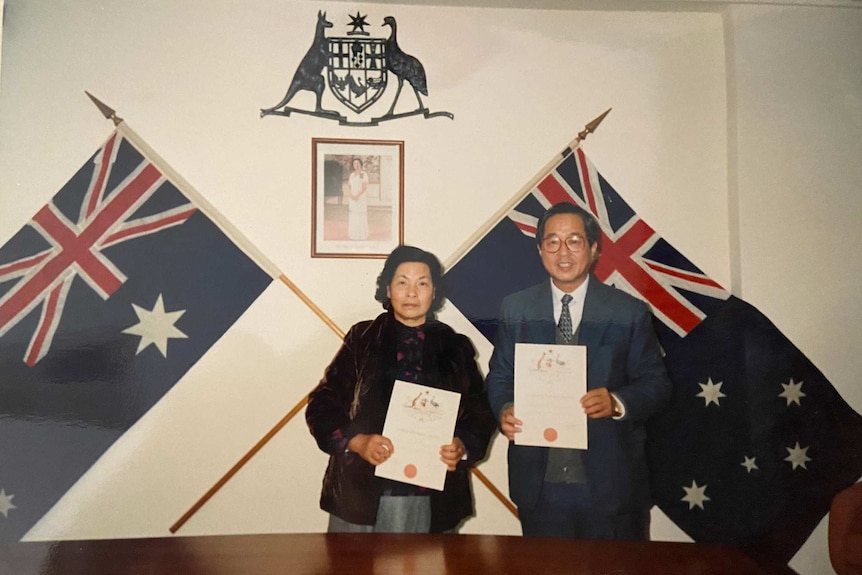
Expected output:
(378, 554)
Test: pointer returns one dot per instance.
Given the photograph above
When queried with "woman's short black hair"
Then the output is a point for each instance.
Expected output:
(591, 225)
(403, 254)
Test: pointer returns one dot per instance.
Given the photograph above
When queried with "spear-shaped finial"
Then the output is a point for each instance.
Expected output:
(109, 112)
(591, 127)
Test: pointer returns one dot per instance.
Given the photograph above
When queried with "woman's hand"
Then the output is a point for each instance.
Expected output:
(451, 454)
(373, 448)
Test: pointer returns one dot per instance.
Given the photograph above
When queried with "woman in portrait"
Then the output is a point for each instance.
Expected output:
(357, 207)
(347, 409)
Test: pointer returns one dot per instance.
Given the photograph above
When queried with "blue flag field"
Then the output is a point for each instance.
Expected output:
(107, 297)
(756, 442)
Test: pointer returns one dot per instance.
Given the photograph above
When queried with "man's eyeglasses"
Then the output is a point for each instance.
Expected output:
(552, 244)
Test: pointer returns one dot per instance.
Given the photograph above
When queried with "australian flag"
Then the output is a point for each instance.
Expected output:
(108, 296)
(756, 441)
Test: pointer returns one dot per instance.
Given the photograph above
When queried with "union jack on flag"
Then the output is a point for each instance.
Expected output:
(108, 296)
(633, 256)
(76, 248)
(756, 441)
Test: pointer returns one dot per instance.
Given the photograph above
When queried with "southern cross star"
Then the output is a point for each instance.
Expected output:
(695, 495)
(792, 392)
(711, 392)
(798, 456)
(749, 463)
(6, 503)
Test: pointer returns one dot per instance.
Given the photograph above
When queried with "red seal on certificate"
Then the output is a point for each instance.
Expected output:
(550, 434)
(410, 471)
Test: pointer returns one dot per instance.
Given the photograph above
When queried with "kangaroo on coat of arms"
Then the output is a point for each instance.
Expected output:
(357, 72)
(309, 75)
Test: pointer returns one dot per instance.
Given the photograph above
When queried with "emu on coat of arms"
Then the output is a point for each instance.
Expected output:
(358, 68)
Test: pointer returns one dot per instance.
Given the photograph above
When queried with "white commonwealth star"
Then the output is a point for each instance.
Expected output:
(695, 495)
(156, 326)
(798, 456)
(792, 392)
(6, 503)
(749, 463)
(711, 392)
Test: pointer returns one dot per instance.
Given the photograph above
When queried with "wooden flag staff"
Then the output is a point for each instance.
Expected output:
(501, 213)
(265, 264)
(110, 114)
(588, 129)
(272, 432)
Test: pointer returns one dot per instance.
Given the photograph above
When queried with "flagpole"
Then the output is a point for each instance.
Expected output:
(237, 237)
(274, 272)
(519, 195)
(106, 110)
(497, 493)
(233, 233)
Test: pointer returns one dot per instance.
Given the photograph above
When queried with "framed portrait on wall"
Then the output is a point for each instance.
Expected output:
(357, 205)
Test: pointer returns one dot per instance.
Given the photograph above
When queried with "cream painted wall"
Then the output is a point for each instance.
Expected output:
(521, 84)
(190, 77)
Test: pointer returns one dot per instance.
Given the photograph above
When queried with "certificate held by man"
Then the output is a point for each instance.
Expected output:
(418, 421)
(549, 383)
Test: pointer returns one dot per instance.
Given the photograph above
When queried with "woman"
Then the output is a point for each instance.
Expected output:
(357, 208)
(346, 411)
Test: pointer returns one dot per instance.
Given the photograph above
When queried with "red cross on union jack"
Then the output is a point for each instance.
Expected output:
(76, 248)
(623, 262)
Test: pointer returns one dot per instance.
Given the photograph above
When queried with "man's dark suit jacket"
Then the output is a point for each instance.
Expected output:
(623, 355)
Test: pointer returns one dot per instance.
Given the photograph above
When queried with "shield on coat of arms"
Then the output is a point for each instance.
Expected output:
(357, 71)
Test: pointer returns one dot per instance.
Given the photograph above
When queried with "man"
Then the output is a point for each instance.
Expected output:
(601, 492)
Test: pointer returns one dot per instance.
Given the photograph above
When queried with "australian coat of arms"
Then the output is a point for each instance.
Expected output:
(357, 69)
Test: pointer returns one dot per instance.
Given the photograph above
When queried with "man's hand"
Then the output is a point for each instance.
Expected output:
(509, 424)
(451, 454)
(373, 448)
(598, 403)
